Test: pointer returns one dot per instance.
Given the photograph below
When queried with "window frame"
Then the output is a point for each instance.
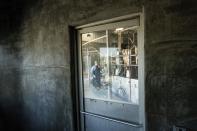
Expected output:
(76, 70)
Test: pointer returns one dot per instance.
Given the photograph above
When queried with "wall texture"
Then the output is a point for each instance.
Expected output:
(35, 90)
(171, 63)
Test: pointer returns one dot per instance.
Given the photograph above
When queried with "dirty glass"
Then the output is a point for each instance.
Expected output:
(110, 64)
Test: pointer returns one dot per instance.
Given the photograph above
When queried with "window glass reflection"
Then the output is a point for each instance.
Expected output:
(110, 65)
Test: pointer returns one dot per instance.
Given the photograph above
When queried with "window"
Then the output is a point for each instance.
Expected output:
(110, 64)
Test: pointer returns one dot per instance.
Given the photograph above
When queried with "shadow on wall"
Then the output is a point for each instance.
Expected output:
(11, 107)
(11, 95)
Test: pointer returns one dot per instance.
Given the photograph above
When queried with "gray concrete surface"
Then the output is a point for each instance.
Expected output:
(35, 61)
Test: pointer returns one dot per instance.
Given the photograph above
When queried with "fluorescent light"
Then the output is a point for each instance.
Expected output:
(119, 29)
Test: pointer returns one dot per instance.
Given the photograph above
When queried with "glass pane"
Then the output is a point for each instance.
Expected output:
(110, 65)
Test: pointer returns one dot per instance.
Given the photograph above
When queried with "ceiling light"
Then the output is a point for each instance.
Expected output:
(119, 29)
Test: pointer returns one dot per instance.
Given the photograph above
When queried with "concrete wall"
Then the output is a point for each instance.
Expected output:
(35, 91)
(171, 63)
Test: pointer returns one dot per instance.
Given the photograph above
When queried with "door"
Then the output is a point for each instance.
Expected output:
(111, 75)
